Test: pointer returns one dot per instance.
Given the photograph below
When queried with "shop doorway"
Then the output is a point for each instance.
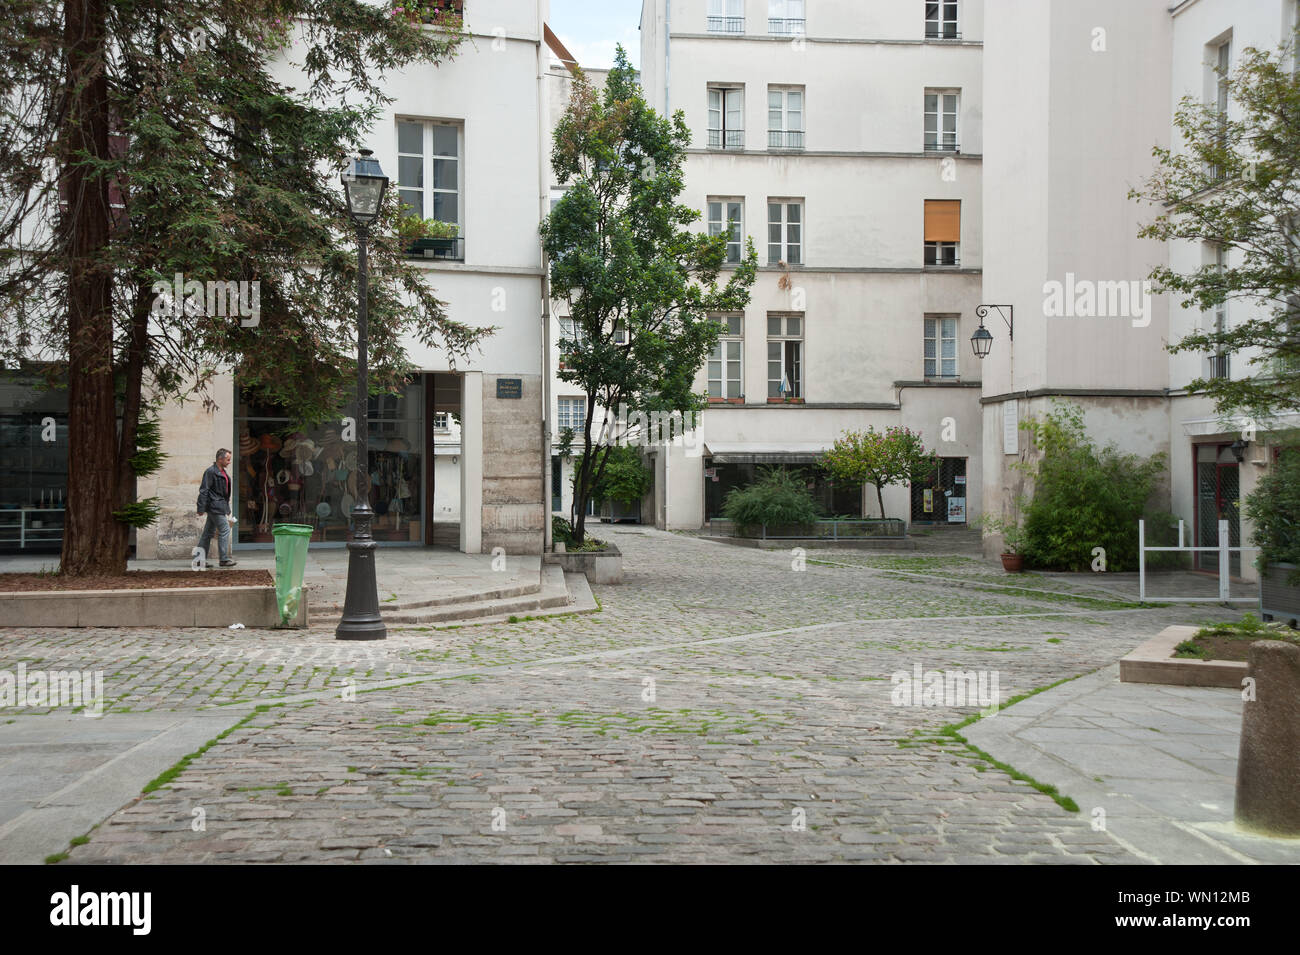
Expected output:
(941, 498)
(1218, 483)
(443, 467)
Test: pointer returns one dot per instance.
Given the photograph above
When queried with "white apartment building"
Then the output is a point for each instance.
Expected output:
(845, 137)
(458, 458)
(1058, 212)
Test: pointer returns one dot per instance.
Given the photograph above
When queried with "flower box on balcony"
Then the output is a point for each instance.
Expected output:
(785, 401)
(440, 247)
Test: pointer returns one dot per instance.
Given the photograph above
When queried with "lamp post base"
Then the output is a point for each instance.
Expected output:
(361, 619)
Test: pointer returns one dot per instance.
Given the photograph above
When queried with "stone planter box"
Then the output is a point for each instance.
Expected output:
(254, 607)
(599, 566)
(1153, 662)
(1278, 600)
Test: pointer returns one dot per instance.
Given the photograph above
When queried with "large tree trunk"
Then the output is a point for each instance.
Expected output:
(93, 541)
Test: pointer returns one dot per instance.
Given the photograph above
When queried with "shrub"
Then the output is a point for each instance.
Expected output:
(776, 497)
(626, 478)
(561, 529)
(1274, 507)
(1084, 497)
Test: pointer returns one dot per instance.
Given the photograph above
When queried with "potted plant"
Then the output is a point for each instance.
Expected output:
(1274, 508)
(428, 238)
(1013, 535)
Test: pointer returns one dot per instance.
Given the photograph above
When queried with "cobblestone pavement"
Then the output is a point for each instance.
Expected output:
(723, 706)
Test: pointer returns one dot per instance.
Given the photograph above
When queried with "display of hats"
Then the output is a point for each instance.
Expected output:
(293, 441)
(397, 444)
(329, 436)
(346, 506)
(323, 509)
(307, 469)
(286, 509)
(247, 444)
(282, 477)
(270, 442)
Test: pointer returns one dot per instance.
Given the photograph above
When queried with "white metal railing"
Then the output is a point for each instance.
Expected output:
(1224, 550)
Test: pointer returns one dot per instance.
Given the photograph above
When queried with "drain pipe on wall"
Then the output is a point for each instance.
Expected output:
(668, 59)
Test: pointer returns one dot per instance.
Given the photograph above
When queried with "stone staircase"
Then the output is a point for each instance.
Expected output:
(555, 592)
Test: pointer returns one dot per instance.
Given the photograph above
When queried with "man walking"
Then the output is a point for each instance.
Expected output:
(214, 501)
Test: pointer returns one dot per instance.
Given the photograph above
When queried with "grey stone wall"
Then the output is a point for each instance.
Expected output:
(514, 507)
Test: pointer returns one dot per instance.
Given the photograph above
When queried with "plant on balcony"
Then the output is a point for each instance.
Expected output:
(421, 234)
(435, 12)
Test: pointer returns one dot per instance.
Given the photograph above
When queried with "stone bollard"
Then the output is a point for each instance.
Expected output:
(1268, 763)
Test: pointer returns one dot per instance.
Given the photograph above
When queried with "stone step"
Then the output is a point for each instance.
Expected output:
(553, 595)
(498, 593)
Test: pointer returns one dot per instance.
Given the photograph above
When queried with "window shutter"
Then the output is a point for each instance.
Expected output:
(942, 220)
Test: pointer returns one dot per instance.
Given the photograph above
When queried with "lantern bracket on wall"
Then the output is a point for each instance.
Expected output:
(982, 340)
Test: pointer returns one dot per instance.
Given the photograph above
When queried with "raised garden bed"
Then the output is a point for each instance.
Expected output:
(215, 598)
(603, 566)
(1218, 660)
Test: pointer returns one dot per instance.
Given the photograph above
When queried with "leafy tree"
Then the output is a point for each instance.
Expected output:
(779, 497)
(1084, 496)
(1274, 508)
(893, 456)
(639, 285)
(142, 139)
(624, 478)
(1235, 182)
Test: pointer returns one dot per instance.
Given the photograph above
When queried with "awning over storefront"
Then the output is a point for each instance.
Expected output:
(1202, 427)
(751, 452)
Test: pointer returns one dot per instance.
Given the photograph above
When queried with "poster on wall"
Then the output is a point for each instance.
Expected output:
(927, 499)
(956, 510)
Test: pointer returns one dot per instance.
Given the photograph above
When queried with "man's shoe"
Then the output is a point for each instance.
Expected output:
(229, 563)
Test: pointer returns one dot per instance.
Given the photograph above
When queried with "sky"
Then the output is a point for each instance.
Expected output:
(591, 28)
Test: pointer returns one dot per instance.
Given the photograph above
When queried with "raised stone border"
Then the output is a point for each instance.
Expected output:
(1153, 662)
(253, 606)
(812, 543)
(599, 566)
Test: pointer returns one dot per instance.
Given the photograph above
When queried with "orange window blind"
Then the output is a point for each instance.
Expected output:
(942, 220)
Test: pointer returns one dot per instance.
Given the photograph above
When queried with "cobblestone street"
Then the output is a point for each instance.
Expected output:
(722, 706)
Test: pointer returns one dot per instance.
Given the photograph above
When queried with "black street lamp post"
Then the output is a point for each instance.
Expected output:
(364, 185)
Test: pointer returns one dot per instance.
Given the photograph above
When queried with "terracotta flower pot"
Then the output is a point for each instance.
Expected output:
(1013, 563)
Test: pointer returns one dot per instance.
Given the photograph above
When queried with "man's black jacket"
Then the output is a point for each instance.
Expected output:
(214, 492)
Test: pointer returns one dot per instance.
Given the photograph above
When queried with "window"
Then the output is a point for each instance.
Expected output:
(785, 356)
(784, 232)
(726, 363)
(941, 347)
(428, 169)
(941, 120)
(941, 20)
(1222, 61)
(620, 332)
(571, 333)
(571, 412)
(727, 117)
(734, 223)
(1219, 364)
(784, 117)
(442, 421)
(785, 17)
(942, 232)
(726, 16)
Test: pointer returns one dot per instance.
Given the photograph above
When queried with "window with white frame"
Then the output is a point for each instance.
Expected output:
(726, 16)
(941, 120)
(941, 20)
(785, 231)
(785, 17)
(727, 117)
(571, 332)
(784, 356)
(1219, 363)
(785, 117)
(620, 332)
(726, 361)
(428, 169)
(728, 215)
(571, 412)
(1220, 64)
(442, 421)
(941, 346)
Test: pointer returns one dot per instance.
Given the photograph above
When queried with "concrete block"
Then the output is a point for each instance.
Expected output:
(1268, 762)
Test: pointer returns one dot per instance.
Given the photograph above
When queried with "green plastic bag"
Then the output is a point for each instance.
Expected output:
(290, 563)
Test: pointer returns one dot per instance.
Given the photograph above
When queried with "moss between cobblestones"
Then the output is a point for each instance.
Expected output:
(952, 732)
(168, 775)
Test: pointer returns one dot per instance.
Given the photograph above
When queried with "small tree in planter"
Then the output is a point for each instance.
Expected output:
(894, 456)
(1274, 508)
(777, 498)
(625, 478)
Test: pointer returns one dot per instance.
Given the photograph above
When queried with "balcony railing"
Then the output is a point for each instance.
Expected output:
(446, 250)
(785, 139)
(733, 138)
(726, 24)
(785, 26)
(942, 146)
(1218, 366)
(947, 31)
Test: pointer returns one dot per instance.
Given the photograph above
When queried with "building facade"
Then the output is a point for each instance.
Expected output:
(845, 139)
